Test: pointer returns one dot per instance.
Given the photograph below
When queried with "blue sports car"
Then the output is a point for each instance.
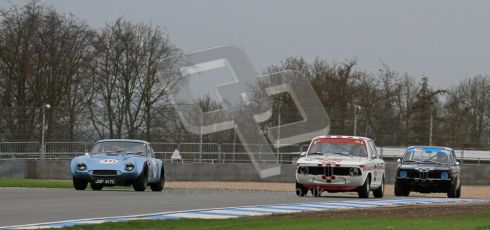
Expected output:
(118, 162)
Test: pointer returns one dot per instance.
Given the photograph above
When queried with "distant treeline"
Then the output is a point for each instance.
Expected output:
(104, 83)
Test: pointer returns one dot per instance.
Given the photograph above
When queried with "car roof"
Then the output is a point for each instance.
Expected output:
(124, 140)
(343, 137)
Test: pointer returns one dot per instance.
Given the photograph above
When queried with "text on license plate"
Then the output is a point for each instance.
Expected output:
(105, 181)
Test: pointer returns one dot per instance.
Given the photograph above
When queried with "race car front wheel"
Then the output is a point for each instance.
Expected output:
(401, 190)
(363, 191)
(141, 182)
(454, 190)
(158, 186)
(79, 184)
(301, 190)
(96, 187)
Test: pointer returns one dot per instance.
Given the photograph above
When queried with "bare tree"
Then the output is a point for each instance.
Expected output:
(468, 112)
(41, 55)
(136, 70)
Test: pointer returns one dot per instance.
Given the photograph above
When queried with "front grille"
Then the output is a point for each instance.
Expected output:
(344, 171)
(424, 174)
(413, 174)
(316, 170)
(328, 171)
(105, 172)
(435, 174)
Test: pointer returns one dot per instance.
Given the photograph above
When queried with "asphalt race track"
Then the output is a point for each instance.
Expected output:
(35, 205)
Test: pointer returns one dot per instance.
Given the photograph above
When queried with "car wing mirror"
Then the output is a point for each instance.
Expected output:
(87, 154)
(457, 162)
(302, 154)
(398, 160)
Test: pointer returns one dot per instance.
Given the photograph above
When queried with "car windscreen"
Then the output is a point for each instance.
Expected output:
(119, 147)
(428, 155)
(339, 146)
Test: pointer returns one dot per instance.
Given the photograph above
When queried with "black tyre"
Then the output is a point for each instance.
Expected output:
(301, 190)
(379, 192)
(363, 191)
(141, 182)
(458, 192)
(96, 187)
(454, 191)
(79, 184)
(401, 190)
(158, 187)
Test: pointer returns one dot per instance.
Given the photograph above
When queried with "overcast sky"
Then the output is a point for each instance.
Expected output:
(444, 40)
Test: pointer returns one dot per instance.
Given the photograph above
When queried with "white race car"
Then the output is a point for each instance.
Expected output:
(340, 164)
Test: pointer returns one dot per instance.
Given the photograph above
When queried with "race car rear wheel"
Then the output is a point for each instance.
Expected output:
(301, 190)
(141, 182)
(96, 187)
(379, 192)
(79, 184)
(158, 187)
(363, 191)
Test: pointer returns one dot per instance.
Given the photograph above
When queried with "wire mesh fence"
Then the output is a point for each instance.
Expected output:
(205, 152)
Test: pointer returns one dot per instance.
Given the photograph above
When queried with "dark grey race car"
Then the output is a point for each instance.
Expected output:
(428, 169)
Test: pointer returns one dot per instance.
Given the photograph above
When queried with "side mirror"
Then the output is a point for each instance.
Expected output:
(398, 160)
(302, 154)
(87, 154)
(457, 162)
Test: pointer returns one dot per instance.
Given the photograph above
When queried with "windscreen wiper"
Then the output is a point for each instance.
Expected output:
(410, 161)
(344, 154)
(434, 162)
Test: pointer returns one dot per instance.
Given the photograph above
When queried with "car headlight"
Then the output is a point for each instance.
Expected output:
(403, 174)
(81, 166)
(303, 170)
(129, 166)
(354, 172)
(444, 175)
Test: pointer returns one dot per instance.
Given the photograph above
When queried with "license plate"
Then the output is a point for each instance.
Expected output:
(107, 181)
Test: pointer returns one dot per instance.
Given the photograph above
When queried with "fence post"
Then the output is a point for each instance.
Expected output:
(220, 154)
(462, 156)
(233, 154)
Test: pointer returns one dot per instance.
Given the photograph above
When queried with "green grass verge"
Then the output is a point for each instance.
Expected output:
(473, 221)
(42, 183)
(35, 183)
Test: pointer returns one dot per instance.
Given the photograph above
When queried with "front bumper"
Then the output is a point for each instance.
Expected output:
(121, 177)
(425, 185)
(340, 183)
